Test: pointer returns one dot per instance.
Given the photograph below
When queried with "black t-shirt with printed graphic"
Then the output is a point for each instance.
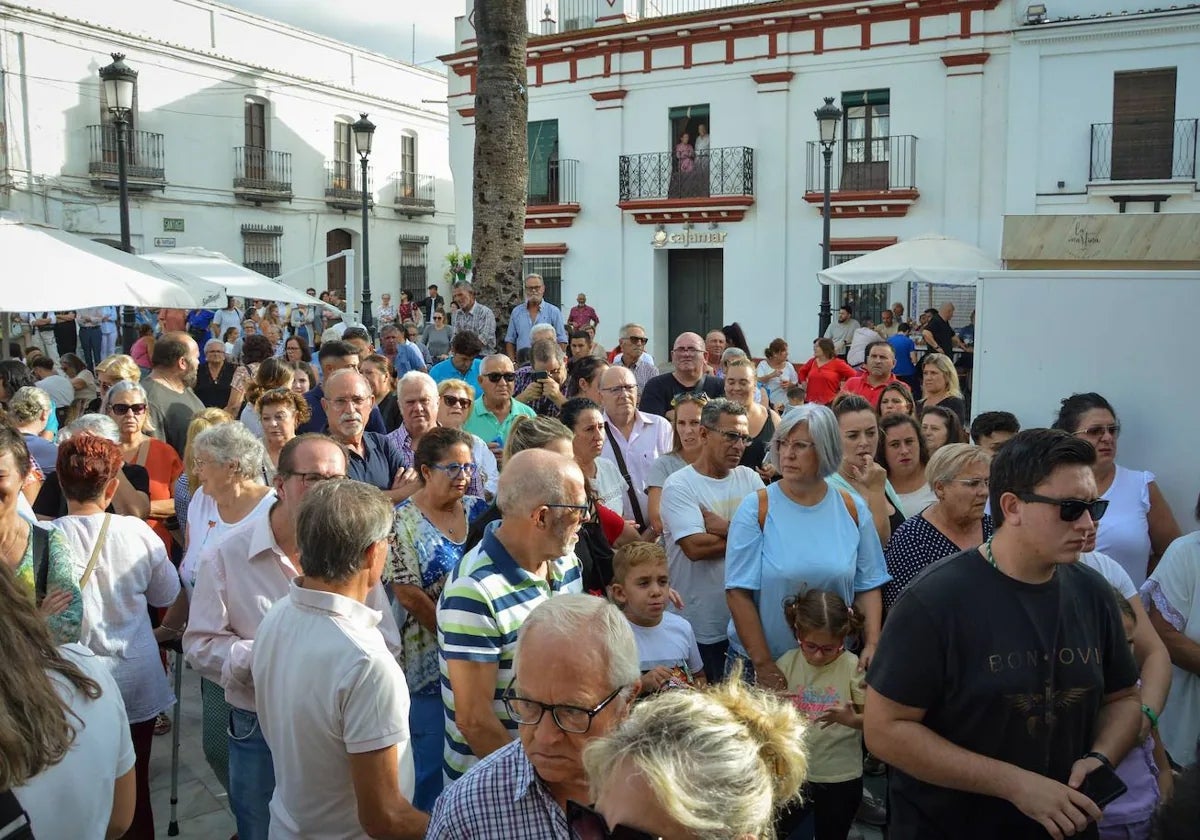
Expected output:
(971, 646)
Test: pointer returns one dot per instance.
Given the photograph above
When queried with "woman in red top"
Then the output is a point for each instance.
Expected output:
(822, 375)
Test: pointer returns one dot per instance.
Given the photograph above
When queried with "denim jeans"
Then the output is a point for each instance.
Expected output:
(427, 724)
(251, 775)
(732, 657)
(89, 340)
(713, 657)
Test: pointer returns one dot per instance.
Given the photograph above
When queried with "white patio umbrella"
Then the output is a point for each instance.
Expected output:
(191, 265)
(922, 259)
(50, 269)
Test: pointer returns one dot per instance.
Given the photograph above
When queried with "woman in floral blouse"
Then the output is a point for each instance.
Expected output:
(427, 543)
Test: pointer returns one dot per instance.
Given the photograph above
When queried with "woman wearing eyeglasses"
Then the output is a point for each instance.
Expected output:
(958, 476)
(437, 337)
(455, 397)
(127, 407)
(1139, 524)
(428, 537)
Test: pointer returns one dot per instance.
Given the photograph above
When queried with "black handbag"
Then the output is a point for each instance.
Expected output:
(14, 822)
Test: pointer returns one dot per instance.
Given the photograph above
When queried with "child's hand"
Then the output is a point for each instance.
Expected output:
(55, 603)
(843, 714)
(656, 677)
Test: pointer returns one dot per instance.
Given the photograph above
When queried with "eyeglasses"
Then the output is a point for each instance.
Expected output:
(453, 471)
(584, 511)
(619, 389)
(456, 402)
(972, 483)
(1098, 431)
(814, 648)
(571, 719)
(1069, 509)
(311, 478)
(122, 409)
(589, 824)
(732, 438)
(496, 377)
(341, 402)
(636, 339)
(687, 351)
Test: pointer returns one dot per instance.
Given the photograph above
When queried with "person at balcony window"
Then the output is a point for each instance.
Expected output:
(702, 159)
(683, 176)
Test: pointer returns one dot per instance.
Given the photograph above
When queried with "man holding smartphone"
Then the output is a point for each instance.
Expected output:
(1003, 686)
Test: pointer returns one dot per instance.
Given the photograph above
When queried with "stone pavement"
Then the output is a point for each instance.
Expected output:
(203, 809)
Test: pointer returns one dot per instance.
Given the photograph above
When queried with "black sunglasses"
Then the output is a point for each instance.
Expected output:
(1069, 509)
(496, 377)
(588, 824)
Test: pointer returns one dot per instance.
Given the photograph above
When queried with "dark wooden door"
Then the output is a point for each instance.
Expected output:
(336, 241)
(1143, 143)
(256, 139)
(695, 290)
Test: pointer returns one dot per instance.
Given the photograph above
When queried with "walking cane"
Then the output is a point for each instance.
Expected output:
(177, 651)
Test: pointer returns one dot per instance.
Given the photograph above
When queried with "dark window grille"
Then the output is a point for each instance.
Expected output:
(414, 268)
(262, 248)
(550, 268)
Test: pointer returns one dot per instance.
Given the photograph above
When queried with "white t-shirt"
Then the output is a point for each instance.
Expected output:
(74, 797)
(250, 419)
(701, 583)
(913, 503)
(611, 488)
(132, 570)
(59, 389)
(1111, 571)
(777, 388)
(671, 644)
(204, 526)
(359, 704)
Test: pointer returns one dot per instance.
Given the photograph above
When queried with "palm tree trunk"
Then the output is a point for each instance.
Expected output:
(501, 157)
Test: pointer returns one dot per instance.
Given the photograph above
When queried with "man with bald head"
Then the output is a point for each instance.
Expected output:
(687, 353)
(634, 441)
(523, 560)
(348, 401)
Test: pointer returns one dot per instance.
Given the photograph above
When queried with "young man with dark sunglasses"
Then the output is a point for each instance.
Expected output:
(1003, 678)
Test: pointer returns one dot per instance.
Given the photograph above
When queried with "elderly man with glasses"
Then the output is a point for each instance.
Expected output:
(239, 579)
(635, 439)
(348, 402)
(697, 503)
(688, 355)
(522, 561)
(492, 416)
(533, 311)
(633, 354)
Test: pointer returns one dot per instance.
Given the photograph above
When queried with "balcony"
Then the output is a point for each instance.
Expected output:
(868, 178)
(717, 185)
(343, 185)
(550, 199)
(551, 17)
(144, 158)
(261, 175)
(1143, 160)
(414, 194)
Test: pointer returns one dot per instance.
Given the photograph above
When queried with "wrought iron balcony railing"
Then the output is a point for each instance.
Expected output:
(415, 193)
(555, 185)
(343, 184)
(261, 173)
(548, 17)
(878, 164)
(1143, 150)
(715, 172)
(144, 156)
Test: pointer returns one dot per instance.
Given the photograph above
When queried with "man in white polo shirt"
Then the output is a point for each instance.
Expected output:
(332, 701)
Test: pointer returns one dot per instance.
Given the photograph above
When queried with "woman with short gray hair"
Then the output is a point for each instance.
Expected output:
(799, 533)
(30, 410)
(958, 475)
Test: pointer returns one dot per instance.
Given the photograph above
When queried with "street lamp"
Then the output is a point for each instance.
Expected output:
(119, 80)
(364, 131)
(828, 117)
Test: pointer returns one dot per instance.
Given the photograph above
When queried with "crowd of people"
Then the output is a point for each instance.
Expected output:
(435, 590)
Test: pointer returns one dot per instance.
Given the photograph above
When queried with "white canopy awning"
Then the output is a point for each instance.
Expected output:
(50, 269)
(923, 259)
(189, 265)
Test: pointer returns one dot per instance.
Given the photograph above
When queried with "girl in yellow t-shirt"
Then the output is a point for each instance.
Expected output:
(826, 686)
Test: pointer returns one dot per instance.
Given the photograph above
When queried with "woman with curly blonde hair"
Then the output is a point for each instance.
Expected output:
(715, 764)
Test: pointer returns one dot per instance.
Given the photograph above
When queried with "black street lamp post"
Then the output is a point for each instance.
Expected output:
(828, 117)
(364, 131)
(119, 81)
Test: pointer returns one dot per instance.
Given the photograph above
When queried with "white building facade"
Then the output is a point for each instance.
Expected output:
(922, 87)
(240, 140)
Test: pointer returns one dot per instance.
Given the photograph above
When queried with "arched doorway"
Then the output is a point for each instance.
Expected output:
(336, 241)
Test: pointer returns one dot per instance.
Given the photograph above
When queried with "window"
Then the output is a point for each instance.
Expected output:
(261, 248)
(408, 165)
(865, 139)
(551, 270)
(865, 301)
(256, 139)
(414, 265)
(343, 164)
(543, 162)
(1143, 130)
(689, 157)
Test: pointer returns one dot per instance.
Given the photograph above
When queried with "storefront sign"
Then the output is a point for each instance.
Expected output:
(164, 242)
(1113, 237)
(685, 238)
(173, 225)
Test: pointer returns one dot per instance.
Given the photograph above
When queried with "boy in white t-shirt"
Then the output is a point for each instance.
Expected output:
(666, 645)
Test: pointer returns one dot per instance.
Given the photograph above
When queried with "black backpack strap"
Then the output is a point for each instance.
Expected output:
(41, 560)
(14, 822)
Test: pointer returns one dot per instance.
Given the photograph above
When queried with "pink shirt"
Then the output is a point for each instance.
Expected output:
(139, 354)
(240, 579)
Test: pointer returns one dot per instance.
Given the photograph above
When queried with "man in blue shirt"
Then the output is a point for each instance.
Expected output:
(334, 356)
(906, 369)
(534, 311)
(463, 363)
(374, 459)
(402, 353)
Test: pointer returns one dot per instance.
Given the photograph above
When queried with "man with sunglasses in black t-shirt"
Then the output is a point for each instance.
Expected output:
(1003, 678)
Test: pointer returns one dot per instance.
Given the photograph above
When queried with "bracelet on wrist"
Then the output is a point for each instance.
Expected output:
(1151, 714)
(1102, 758)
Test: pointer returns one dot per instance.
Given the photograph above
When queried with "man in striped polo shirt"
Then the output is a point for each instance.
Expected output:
(522, 561)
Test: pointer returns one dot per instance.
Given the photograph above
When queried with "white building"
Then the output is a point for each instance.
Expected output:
(240, 140)
(957, 113)
(921, 149)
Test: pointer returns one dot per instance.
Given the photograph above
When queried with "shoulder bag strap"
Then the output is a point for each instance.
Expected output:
(41, 560)
(87, 573)
(143, 453)
(638, 516)
(14, 822)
